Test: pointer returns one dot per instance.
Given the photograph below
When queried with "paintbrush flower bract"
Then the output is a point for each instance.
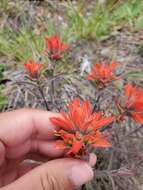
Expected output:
(132, 103)
(102, 74)
(55, 47)
(33, 68)
(79, 130)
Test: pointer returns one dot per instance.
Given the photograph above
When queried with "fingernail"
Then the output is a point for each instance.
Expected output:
(81, 174)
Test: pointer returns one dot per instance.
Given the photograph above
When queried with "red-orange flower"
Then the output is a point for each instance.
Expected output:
(103, 73)
(55, 47)
(131, 103)
(134, 102)
(33, 68)
(80, 129)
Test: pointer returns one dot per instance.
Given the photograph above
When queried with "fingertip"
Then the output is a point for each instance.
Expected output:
(92, 159)
(81, 174)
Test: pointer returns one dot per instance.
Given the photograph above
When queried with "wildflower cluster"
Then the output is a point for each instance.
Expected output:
(54, 50)
(103, 74)
(54, 47)
(131, 104)
(33, 68)
(81, 128)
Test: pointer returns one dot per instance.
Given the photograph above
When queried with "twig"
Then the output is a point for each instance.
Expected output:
(133, 131)
(42, 95)
(24, 82)
(112, 182)
(52, 91)
(111, 160)
(96, 107)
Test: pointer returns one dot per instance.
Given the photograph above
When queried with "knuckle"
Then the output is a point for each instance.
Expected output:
(49, 181)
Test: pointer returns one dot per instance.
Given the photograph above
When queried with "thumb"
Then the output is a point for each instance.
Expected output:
(60, 174)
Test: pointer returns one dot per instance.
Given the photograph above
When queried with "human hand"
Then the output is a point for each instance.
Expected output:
(28, 134)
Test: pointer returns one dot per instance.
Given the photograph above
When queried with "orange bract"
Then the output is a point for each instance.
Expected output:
(103, 73)
(79, 128)
(134, 102)
(33, 68)
(55, 47)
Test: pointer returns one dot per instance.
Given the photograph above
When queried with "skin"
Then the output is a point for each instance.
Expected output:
(29, 134)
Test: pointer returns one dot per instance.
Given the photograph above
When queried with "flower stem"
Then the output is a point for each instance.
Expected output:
(96, 106)
(52, 90)
(42, 95)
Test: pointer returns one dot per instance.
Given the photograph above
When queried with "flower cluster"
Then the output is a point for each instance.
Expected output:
(55, 47)
(132, 103)
(103, 74)
(80, 129)
(33, 68)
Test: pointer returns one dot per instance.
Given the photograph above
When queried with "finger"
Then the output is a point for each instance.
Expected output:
(2, 153)
(92, 159)
(9, 165)
(61, 174)
(20, 125)
(25, 167)
(14, 173)
(46, 148)
(37, 157)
